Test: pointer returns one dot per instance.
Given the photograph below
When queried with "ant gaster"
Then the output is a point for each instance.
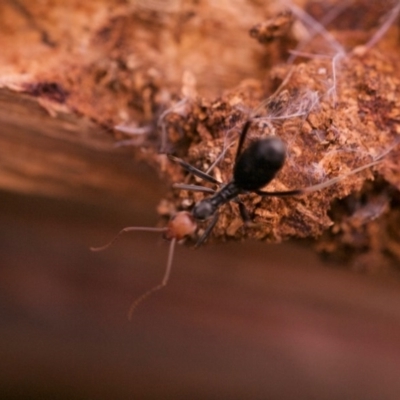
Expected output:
(254, 168)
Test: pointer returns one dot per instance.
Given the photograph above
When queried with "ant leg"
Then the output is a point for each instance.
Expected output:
(159, 286)
(208, 230)
(323, 185)
(243, 135)
(203, 175)
(125, 230)
(193, 170)
(244, 214)
(193, 188)
(319, 186)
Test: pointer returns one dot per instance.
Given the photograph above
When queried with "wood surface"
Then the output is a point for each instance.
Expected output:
(238, 319)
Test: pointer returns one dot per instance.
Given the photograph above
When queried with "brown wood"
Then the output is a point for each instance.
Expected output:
(67, 156)
(133, 63)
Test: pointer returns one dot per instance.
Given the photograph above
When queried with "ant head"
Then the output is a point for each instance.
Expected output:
(258, 164)
(182, 224)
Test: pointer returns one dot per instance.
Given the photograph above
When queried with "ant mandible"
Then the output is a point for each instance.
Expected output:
(254, 167)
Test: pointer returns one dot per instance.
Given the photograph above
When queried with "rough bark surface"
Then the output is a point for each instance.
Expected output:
(183, 77)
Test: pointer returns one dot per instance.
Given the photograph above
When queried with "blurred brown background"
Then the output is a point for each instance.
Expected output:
(237, 320)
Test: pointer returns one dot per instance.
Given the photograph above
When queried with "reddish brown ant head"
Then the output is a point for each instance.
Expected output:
(180, 226)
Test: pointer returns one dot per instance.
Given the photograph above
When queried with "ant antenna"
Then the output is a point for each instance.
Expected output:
(163, 283)
(179, 227)
(167, 270)
(125, 230)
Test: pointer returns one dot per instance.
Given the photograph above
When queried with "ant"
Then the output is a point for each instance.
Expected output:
(254, 167)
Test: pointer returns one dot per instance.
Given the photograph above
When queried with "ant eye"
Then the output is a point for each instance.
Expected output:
(259, 163)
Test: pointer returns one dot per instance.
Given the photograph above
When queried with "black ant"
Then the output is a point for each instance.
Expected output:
(254, 168)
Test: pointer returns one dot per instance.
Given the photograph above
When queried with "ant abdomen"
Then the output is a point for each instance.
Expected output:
(258, 164)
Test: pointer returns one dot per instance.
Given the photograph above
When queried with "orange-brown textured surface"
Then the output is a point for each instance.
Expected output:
(337, 135)
(188, 75)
